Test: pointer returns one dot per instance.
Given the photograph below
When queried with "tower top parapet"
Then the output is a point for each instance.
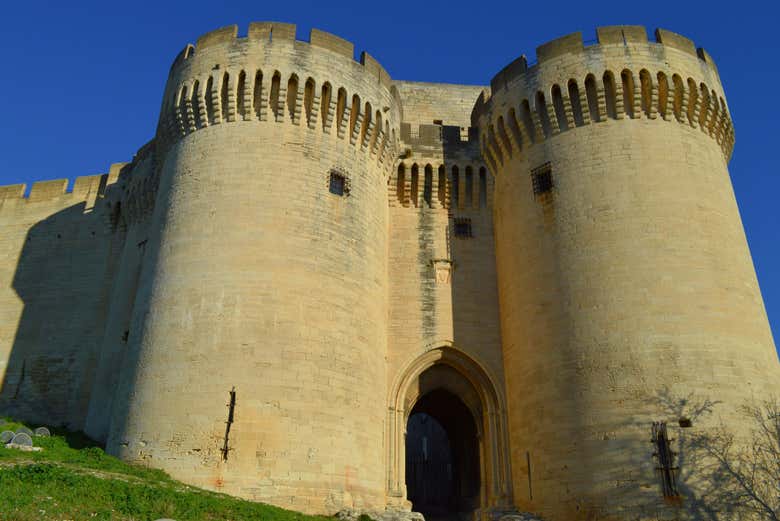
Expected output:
(667, 44)
(277, 33)
(622, 75)
(270, 76)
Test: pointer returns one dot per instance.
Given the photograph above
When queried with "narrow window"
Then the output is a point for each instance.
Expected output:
(366, 122)
(663, 95)
(628, 92)
(442, 186)
(240, 94)
(593, 97)
(469, 187)
(512, 120)
(428, 186)
(705, 106)
(560, 111)
(646, 84)
(541, 110)
(325, 104)
(338, 184)
(482, 187)
(665, 458)
(274, 99)
(196, 106)
(257, 95)
(525, 116)
(308, 100)
(415, 184)
(576, 107)
(455, 194)
(341, 107)
(610, 95)
(377, 130)
(541, 180)
(224, 96)
(292, 96)
(182, 103)
(693, 96)
(400, 186)
(679, 94)
(210, 100)
(353, 114)
(463, 228)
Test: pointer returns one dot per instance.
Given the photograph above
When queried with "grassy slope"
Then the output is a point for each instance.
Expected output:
(72, 479)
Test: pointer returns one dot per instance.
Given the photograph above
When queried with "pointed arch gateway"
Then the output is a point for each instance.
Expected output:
(445, 377)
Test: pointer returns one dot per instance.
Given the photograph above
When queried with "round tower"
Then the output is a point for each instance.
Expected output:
(630, 311)
(256, 356)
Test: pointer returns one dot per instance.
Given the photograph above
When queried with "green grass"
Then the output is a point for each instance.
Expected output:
(73, 479)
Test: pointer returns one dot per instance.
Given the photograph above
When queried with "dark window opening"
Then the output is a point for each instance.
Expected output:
(469, 187)
(463, 227)
(482, 187)
(338, 184)
(541, 178)
(454, 194)
(685, 423)
(428, 185)
(665, 458)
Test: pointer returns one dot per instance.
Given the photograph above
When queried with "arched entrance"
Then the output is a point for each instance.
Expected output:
(442, 457)
(447, 399)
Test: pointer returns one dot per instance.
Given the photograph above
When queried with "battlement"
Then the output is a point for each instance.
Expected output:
(622, 76)
(270, 76)
(84, 188)
(621, 35)
(266, 33)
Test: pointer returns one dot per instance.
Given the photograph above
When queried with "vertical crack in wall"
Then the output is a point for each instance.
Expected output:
(231, 408)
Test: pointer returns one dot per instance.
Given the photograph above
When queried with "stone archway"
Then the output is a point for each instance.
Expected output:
(442, 456)
(448, 370)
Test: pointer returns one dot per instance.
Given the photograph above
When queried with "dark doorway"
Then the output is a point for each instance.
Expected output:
(442, 458)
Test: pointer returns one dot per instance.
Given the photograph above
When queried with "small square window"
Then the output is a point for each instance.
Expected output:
(463, 228)
(541, 178)
(338, 184)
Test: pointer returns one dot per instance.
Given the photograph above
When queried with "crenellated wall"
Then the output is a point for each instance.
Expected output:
(57, 248)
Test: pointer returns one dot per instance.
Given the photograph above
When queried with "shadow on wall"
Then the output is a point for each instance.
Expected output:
(719, 470)
(691, 464)
(63, 278)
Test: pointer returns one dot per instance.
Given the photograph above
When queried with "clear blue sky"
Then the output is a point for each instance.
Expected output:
(81, 81)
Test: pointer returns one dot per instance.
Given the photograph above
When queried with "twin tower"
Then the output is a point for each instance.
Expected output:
(326, 289)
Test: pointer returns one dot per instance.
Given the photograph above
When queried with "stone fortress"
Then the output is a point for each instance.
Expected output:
(326, 289)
